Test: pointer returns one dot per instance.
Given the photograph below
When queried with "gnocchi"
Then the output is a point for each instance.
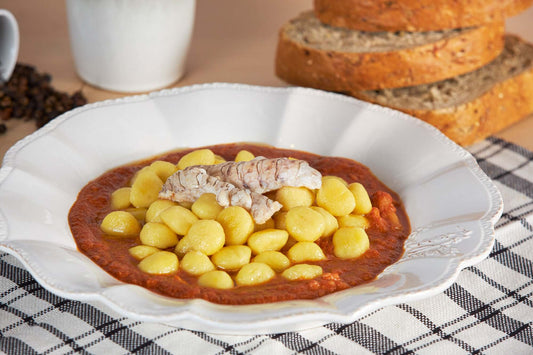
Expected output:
(206, 207)
(291, 197)
(330, 222)
(238, 224)
(305, 251)
(335, 197)
(353, 220)
(254, 274)
(350, 242)
(120, 198)
(138, 213)
(302, 272)
(158, 235)
(363, 205)
(140, 252)
(268, 239)
(120, 224)
(197, 157)
(196, 263)
(204, 235)
(244, 155)
(232, 257)
(223, 247)
(163, 169)
(216, 279)
(179, 219)
(154, 210)
(275, 259)
(145, 188)
(305, 224)
(219, 159)
(160, 263)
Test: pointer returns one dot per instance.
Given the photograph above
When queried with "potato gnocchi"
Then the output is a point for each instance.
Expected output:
(331, 231)
(214, 241)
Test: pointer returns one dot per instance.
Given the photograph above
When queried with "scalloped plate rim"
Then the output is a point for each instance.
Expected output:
(488, 221)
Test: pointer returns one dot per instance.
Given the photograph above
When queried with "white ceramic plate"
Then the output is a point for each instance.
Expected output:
(452, 204)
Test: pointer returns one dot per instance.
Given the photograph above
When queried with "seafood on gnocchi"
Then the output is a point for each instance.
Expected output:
(241, 224)
(241, 183)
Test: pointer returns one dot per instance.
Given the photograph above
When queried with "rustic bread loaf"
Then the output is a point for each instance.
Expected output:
(415, 15)
(471, 106)
(330, 58)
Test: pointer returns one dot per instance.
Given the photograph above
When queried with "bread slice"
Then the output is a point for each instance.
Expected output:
(415, 15)
(330, 58)
(471, 106)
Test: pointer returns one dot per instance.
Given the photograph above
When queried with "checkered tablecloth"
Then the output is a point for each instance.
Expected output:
(488, 310)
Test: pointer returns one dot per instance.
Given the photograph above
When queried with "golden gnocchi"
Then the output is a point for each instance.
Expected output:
(291, 197)
(267, 239)
(363, 205)
(197, 157)
(335, 197)
(163, 169)
(120, 198)
(145, 188)
(204, 235)
(275, 259)
(237, 223)
(154, 210)
(206, 206)
(244, 155)
(158, 235)
(178, 218)
(232, 257)
(302, 272)
(305, 224)
(350, 242)
(305, 251)
(120, 224)
(254, 273)
(140, 252)
(216, 279)
(160, 263)
(212, 247)
(196, 263)
(353, 220)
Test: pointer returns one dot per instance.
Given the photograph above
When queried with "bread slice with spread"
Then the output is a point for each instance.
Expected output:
(315, 55)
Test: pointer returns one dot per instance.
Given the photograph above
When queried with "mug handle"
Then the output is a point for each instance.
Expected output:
(9, 44)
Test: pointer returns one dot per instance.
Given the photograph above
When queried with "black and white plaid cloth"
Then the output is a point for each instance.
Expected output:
(488, 310)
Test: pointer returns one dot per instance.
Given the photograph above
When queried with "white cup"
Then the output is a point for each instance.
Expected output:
(130, 45)
(9, 44)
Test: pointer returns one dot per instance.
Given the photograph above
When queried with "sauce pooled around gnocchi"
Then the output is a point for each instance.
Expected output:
(240, 224)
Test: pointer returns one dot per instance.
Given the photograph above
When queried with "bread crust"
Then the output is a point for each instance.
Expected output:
(415, 15)
(505, 103)
(303, 65)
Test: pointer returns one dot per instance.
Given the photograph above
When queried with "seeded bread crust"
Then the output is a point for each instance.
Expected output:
(305, 55)
(415, 15)
(475, 105)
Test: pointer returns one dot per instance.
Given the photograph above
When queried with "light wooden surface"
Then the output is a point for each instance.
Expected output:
(234, 41)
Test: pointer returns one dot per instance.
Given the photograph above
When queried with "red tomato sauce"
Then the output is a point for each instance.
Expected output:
(389, 227)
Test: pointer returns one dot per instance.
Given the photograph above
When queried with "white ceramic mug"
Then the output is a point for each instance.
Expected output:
(130, 45)
(9, 44)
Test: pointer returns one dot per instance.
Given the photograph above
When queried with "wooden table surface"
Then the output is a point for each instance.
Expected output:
(234, 41)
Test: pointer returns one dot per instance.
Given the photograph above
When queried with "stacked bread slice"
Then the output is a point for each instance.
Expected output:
(448, 62)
